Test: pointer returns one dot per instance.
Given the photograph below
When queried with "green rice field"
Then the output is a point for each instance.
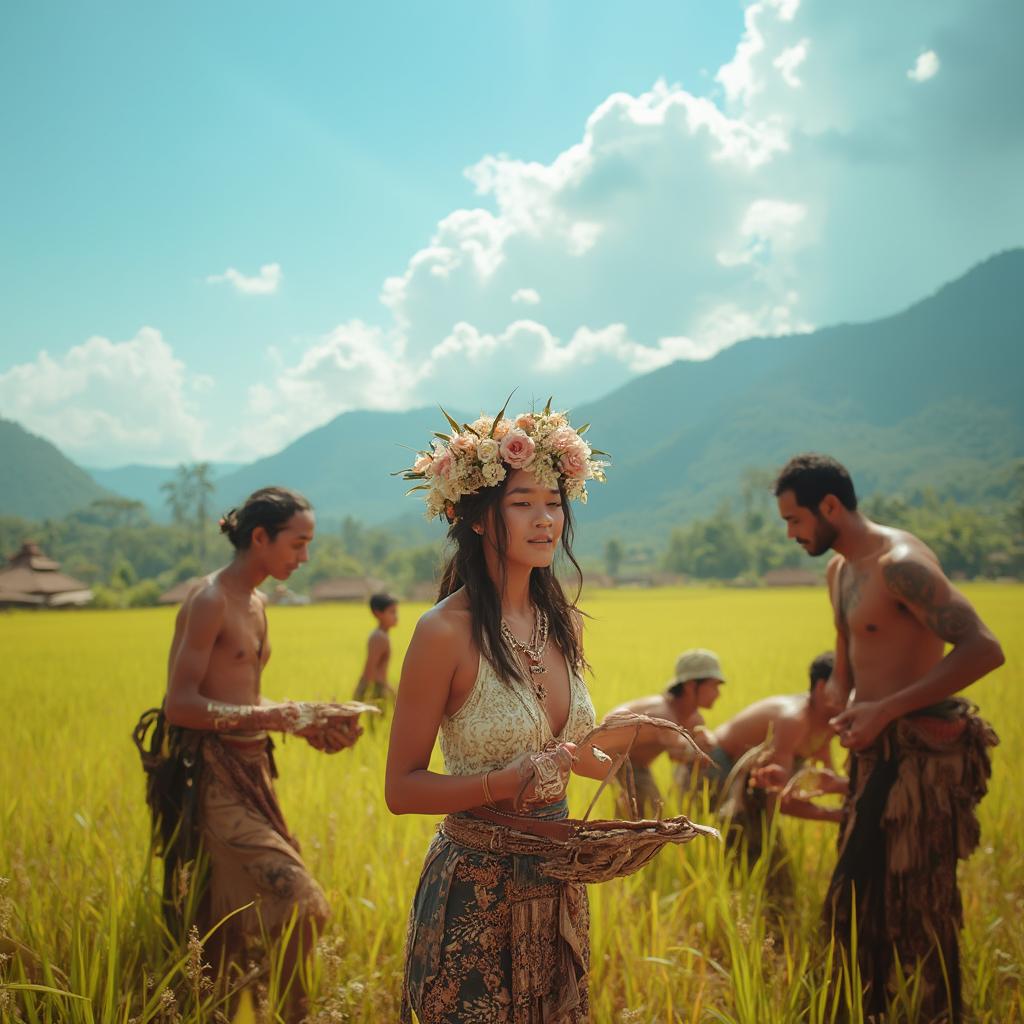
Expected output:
(689, 939)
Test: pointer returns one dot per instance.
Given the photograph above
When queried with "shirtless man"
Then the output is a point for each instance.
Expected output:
(698, 678)
(910, 742)
(785, 731)
(373, 683)
(218, 735)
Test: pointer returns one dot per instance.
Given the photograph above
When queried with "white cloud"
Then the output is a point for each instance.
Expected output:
(813, 189)
(811, 186)
(789, 60)
(926, 66)
(264, 283)
(355, 366)
(106, 402)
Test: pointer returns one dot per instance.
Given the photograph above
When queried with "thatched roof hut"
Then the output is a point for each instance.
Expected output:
(423, 591)
(792, 578)
(178, 593)
(283, 595)
(346, 588)
(32, 580)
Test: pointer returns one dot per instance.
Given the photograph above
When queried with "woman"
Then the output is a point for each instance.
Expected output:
(495, 668)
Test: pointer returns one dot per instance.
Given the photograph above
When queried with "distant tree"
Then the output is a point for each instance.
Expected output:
(712, 548)
(188, 496)
(613, 555)
(178, 492)
(1018, 508)
(202, 492)
(144, 594)
(423, 563)
(123, 575)
(14, 531)
(352, 535)
(328, 560)
(117, 513)
(756, 496)
(185, 568)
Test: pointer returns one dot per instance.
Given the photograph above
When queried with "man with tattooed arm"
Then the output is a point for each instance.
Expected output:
(919, 759)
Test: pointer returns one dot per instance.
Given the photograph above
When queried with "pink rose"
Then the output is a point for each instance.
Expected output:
(574, 462)
(462, 443)
(517, 449)
(526, 423)
(442, 464)
(563, 439)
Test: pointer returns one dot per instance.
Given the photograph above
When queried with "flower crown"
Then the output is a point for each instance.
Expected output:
(480, 454)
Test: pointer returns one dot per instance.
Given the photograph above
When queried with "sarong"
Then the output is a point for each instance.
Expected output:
(909, 818)
(217, 823)
(252, 855)
(492, 940)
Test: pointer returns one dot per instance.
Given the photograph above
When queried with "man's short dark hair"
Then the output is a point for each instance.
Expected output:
(676, 689)
(811, 477)
(822, 666)
(382, 602)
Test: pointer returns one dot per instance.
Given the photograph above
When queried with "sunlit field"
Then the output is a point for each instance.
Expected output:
(688, 939)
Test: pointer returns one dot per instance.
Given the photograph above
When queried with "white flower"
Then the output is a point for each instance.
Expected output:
(487, 450)
(493, 473)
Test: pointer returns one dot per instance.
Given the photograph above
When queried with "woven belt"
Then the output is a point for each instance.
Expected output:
(492, 832)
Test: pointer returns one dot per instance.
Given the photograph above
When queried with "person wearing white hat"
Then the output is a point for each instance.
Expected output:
(694, 687)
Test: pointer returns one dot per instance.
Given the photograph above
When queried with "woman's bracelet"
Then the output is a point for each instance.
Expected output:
(488, 799)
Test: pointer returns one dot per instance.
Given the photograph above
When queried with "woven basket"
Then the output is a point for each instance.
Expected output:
(577, 849)
(591, 851)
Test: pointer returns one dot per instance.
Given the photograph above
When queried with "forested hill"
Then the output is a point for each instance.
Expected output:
(929, 397)
(37, 481)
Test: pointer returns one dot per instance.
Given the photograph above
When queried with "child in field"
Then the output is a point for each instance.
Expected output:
(373, 683)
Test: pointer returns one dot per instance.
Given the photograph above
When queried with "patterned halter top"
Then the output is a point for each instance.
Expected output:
(499, 721)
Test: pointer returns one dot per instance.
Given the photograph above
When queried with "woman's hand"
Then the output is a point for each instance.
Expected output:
(536, 779)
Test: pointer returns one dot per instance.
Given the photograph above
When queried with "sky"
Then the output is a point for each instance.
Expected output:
(223, 224)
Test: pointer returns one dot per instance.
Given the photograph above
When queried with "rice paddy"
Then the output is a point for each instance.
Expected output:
(690, 939)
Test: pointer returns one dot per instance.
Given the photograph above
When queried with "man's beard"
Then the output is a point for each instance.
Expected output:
(824, 537)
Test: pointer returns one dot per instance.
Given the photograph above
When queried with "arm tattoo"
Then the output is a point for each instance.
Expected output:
(951, 620)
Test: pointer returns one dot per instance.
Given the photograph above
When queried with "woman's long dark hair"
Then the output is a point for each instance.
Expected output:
(467, 567)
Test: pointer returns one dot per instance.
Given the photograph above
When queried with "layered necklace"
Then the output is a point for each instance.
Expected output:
(533, 649)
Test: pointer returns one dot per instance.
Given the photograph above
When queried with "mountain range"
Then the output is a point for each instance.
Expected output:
(929, 397)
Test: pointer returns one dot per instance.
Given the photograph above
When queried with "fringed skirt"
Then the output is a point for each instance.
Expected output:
(909, 818)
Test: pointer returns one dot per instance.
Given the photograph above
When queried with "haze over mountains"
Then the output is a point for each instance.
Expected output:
(930, 397)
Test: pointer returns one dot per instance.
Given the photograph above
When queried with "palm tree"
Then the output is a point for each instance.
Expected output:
(188, 496)
(202, 490)
(179, 495)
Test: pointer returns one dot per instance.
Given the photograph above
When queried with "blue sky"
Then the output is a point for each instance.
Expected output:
(447, 198)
